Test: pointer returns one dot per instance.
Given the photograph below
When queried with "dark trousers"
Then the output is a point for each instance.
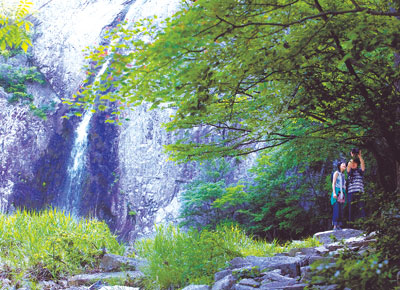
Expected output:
(356, 206)
(337, 217)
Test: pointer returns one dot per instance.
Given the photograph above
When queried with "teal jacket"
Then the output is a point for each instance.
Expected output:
(340, 183)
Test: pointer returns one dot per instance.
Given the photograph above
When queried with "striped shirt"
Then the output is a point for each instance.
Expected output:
(356, 183)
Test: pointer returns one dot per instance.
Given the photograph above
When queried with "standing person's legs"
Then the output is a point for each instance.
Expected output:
(349, 202)
(340, 215)
(335, 216)
(359, 210)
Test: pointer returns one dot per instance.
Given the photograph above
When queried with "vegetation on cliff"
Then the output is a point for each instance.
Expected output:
(14, 26)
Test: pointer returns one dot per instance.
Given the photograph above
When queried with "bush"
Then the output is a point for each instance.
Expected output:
(50, 244)
(176, 258)
(211, 198)
(369, 271)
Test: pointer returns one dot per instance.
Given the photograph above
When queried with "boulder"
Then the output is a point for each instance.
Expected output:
(249, 282)
(246, 272)
(275, 277)
(242, 287)
(239, 262)
(303, 251)
(326, 237)
(277, 285)
(96, 286)
(288, 265)
(295, 287)
(86, 279)
(305, 273)
(219, 275)
(312, 259)
(321, 250)
(119, 288)
(197, 287)
(225, 283)
(111, 262)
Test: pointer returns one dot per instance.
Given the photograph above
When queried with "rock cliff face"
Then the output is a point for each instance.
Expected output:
(128, 181)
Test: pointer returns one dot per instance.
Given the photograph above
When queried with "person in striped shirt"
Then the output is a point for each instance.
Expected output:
(355, 171)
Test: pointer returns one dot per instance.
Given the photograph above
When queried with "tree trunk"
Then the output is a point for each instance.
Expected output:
(398, 177)
(386, 166)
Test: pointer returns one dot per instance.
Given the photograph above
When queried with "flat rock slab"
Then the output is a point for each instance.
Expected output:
(87, 279)
(111, 262)
(288, 265)
(225, 283)
(275, 277)
(249, 282)
(325, 237)
(197, 287)
(118, 288)
(277, 285)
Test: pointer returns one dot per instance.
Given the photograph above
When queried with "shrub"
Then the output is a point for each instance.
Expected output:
(369, 271)
(50, 244)
(176, 258)
(210, 197)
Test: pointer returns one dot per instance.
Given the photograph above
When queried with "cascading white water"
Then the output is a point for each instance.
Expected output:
(70, 201)
(76, 167)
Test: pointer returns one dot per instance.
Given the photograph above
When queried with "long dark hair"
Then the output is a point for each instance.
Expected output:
(339, 164)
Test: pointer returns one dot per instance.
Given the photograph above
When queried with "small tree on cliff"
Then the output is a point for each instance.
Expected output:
(263, 73)
(14, 27)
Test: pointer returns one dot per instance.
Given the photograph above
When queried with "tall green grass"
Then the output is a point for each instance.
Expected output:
(176, 258)
(50, 244)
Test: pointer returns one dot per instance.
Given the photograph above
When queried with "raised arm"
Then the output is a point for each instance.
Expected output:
(349, 164)
(362, 163)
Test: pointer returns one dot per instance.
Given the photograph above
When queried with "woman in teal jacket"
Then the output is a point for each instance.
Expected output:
(338, 197)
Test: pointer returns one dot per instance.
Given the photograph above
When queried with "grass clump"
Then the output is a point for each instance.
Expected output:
(177, 258)
(50, 244)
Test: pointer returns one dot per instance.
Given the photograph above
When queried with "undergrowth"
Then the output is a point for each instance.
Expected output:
(177, 258)
(50, 244)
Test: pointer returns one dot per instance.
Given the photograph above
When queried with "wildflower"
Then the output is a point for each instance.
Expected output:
(386, 262)
(380, 265)
(337, 273)
(378, 271)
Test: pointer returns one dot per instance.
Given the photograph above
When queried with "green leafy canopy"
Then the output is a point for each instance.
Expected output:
(257, 74)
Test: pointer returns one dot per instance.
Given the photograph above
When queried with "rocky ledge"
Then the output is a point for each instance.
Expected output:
(289, 270)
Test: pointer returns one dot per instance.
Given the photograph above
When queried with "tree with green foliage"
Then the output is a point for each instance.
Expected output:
(262, 73)
(257, 74)
(287, 199)
(210, 199)
(14, 26)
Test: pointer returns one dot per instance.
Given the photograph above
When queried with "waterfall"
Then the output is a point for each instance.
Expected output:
(76, 166)
(70, 201)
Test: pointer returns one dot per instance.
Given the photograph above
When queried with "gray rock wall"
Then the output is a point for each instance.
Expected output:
(23, 140)
(141, 186)
(149, 181)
